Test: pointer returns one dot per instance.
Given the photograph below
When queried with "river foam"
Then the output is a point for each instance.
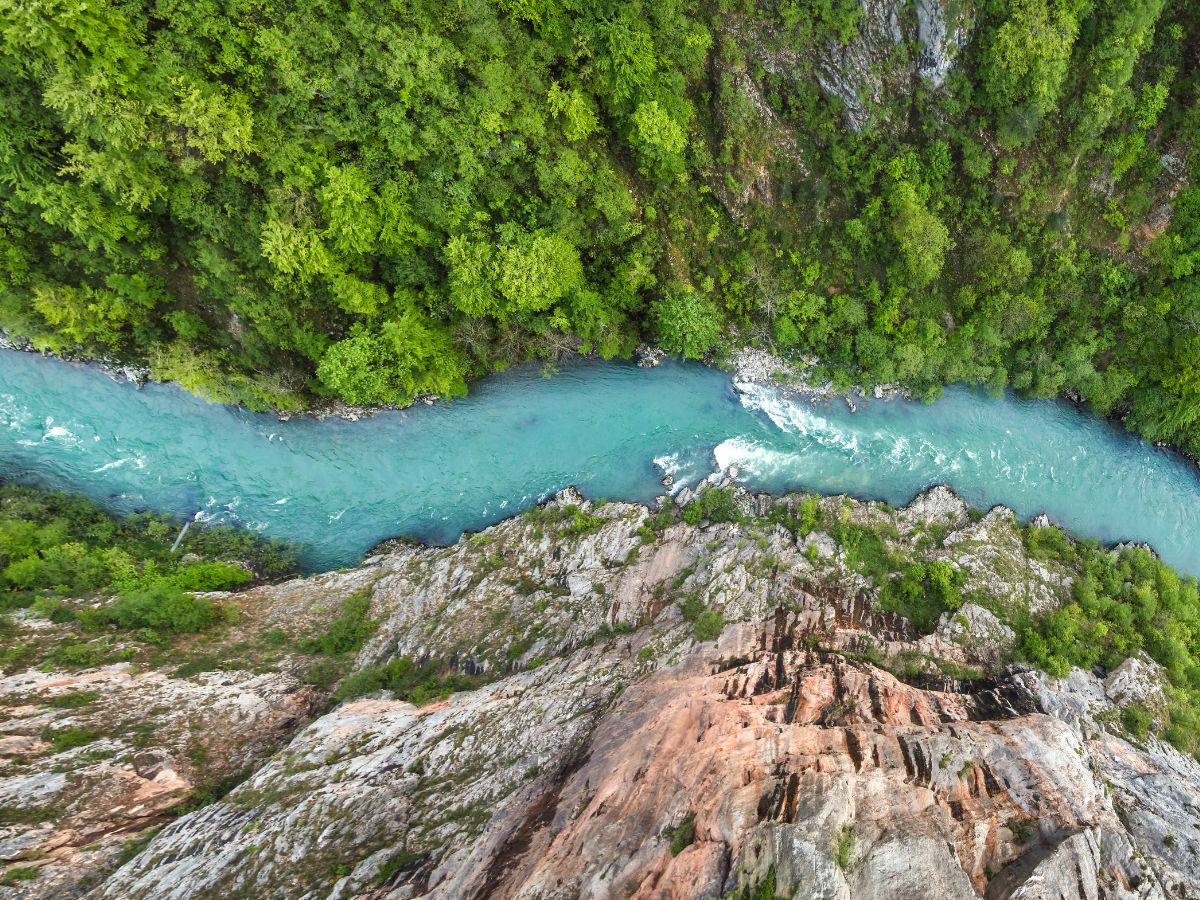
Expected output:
(613, 430)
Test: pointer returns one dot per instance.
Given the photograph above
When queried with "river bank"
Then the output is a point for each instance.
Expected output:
(794, 377)
(114, 369)
(528, 701)
(436, 470)
(746, 364)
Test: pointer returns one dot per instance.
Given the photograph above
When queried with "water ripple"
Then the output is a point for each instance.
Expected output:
(612, 429)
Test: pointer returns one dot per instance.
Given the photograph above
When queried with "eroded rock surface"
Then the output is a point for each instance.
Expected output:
(883, 57)
(629, 746)
(150, 741)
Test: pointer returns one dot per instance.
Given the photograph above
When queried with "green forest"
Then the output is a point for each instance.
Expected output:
(283, 203)
(56, 548)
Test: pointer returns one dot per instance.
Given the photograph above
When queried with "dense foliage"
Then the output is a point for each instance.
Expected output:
(273, 201)
(1122, 604)
(56, 546)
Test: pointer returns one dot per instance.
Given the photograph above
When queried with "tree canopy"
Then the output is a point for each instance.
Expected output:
(277, 203)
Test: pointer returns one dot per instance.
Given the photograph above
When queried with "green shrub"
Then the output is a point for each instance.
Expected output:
(210, 791)
(324, 674)
(211, 576)
(73, 700)
(579, 523)
(163, 607)
(708, 625)
(73, 654)
(566, 521)
(65, 546)
(756, 890)
(922, 592)
(54, 609)
(64, 739)
(1047, 543)
(408, 680)
(715, 505)
(865, 548)
(662, 518)
(206, 663)
(808, 516)
(682, 835)
(843, 846)
(349, 631)
(691, 607)
(1137, 721)
(1123, 603)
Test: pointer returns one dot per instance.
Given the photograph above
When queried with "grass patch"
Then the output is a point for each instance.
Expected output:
(206, 663)
(401, 862)
(137, 844)
(18, 874)
(408, 680)
(762, 890)
(565, 521)
(843, 846)
(73, 700)
(922, 592)
(713, 505)
(349, 631)
(706, 623)
(30, 815)
(1136, 721)
(682, 835)
(64, 739)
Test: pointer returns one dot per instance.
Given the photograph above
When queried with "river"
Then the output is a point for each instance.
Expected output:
(433, 471)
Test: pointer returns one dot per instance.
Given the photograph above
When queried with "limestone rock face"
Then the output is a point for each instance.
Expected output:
(339, 795)
(990, 640)
(617, 753)
(940, 38)
(153, 741)
(853, 72)
(884, 57)
(748, 759)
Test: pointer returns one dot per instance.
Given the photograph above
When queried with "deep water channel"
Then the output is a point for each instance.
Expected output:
(612, 429)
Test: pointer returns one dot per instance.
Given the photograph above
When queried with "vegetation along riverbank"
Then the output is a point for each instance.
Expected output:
(917, 195)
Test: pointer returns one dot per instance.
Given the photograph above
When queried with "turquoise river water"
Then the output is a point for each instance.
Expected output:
(612, 429)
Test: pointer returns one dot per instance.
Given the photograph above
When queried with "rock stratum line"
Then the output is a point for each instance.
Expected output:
(619, 744)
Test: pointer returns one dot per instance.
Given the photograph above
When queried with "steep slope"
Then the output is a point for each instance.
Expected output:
(696, 711)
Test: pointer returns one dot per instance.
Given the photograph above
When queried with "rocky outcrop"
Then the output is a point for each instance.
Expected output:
(746, 761)
(690, 711)
(940, 37)
(113, 368)
(379, 780)
(90, 760)
(853, 72)
(883, 56)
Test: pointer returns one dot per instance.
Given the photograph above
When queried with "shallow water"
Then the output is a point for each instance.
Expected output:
(612, 429)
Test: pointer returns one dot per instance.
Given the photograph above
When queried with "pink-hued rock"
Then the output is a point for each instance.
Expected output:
(616, 754)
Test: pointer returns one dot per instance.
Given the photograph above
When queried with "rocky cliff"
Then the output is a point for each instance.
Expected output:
(663, 709)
